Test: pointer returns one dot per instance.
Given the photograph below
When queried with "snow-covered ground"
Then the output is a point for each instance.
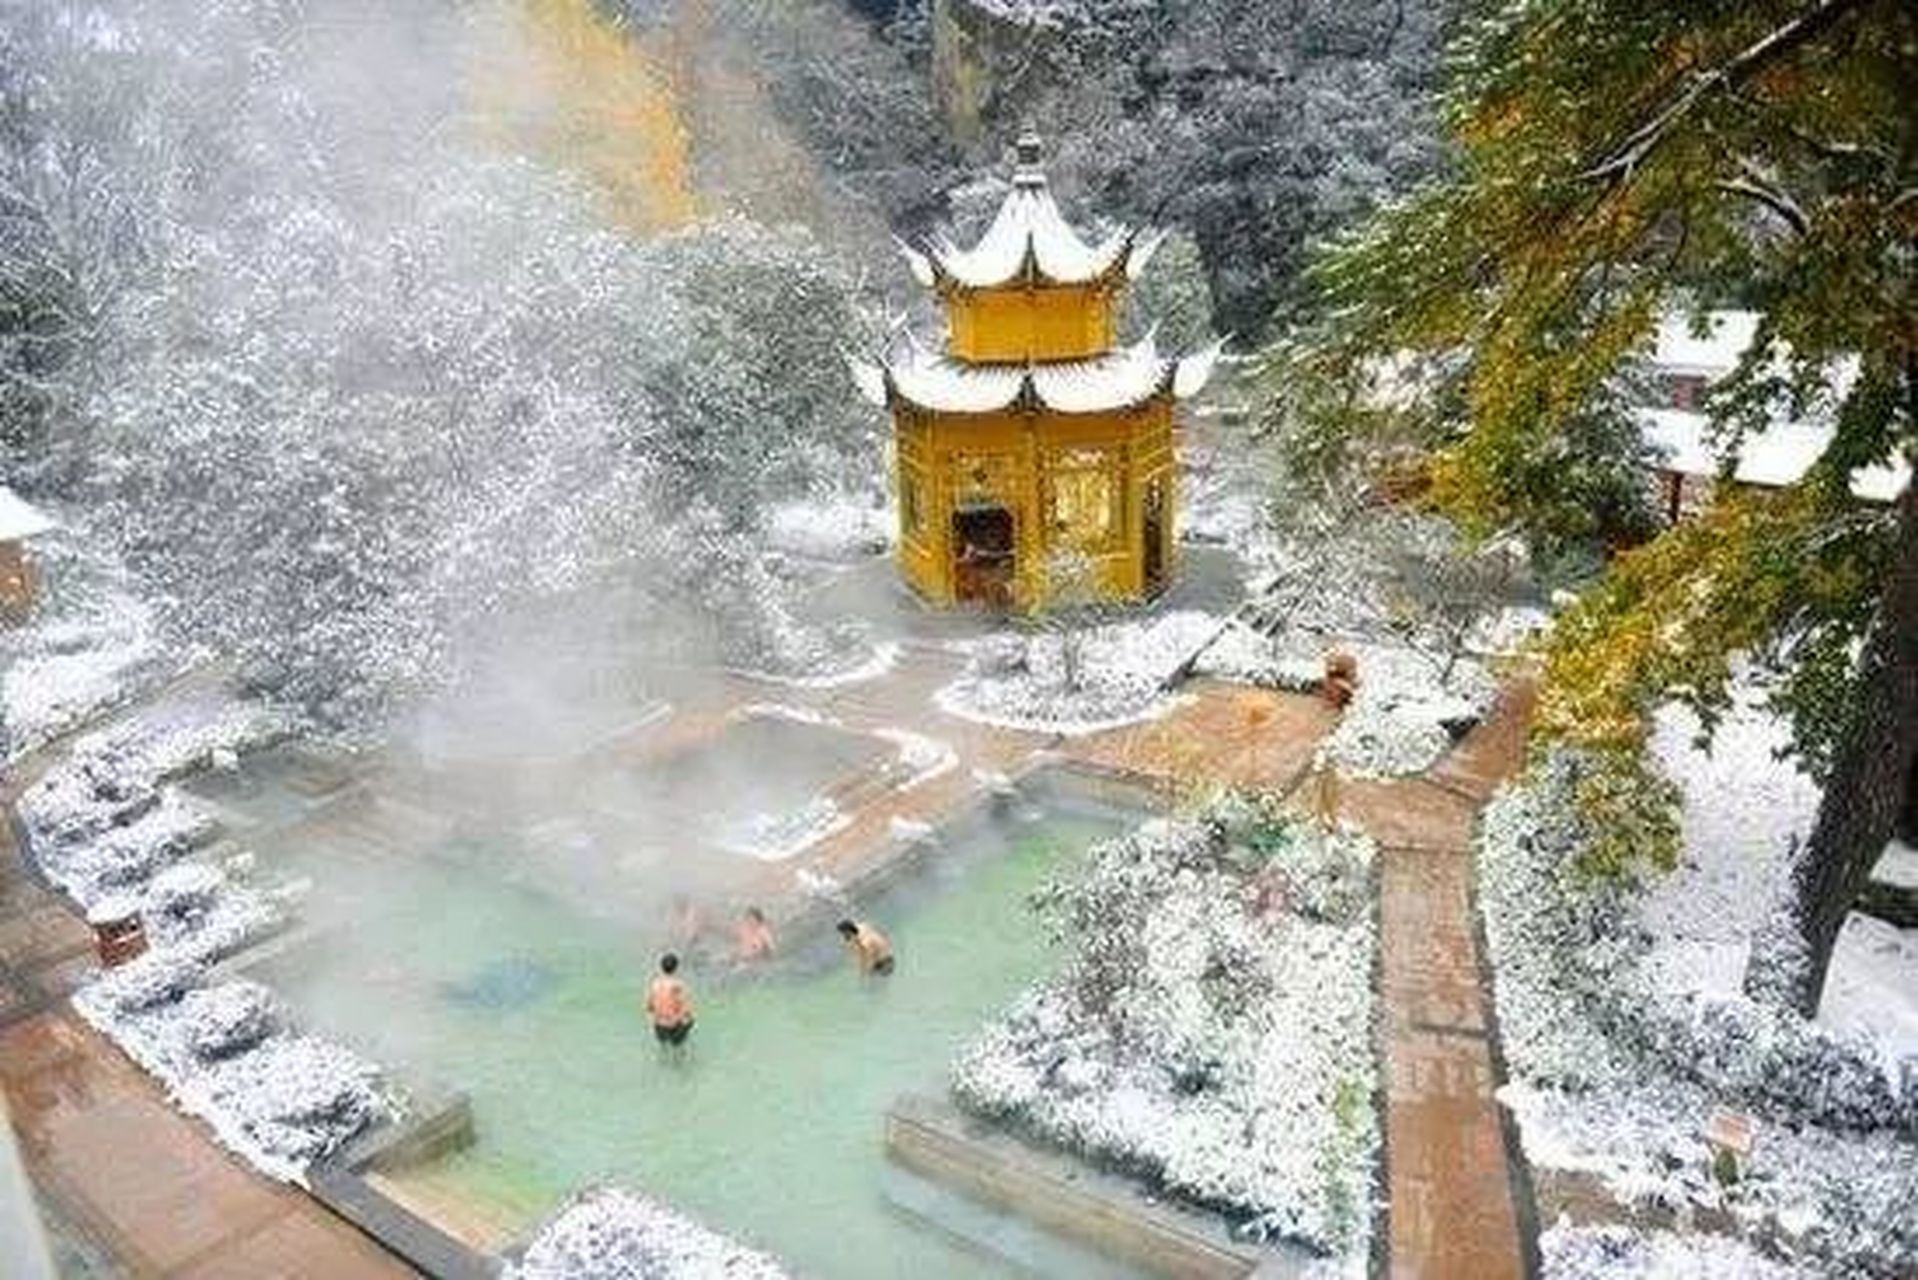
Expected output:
(1615, 1253)
(1408, 711)
(1742, 807)
(1211, 1028)
(1020, 681)
(613, 1234)
(1626, 1028)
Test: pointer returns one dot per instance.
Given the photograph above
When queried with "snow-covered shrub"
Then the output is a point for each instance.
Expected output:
(614, 1234)
(1204, 1034)
(151, 980)
(184, 893)
(280, 1099)
(238, 917)
(104, 819)
(218, 1022)
(296, 1096)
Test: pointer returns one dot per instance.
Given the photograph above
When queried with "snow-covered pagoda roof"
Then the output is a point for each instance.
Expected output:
(1117, 380)
(19, 519)
(1030, 238)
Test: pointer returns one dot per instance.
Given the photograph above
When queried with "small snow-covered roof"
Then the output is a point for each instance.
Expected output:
(1029, 234)
(1707, 346)
(1777, 457)
(1117, 380)
(19, 519)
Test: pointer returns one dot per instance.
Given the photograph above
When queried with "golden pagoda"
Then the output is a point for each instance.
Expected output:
(1031, 441)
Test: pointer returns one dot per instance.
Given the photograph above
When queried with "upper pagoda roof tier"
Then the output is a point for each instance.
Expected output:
(1029, 239)
(19, 519)
(1117, 380)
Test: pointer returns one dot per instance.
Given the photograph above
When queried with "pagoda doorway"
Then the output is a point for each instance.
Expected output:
(984, 561)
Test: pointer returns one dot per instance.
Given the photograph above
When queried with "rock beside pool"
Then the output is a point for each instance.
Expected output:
(614, 1234)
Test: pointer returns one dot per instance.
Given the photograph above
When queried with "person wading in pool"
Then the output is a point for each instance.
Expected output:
(753, 940)
(869, 946)
(669, 1003)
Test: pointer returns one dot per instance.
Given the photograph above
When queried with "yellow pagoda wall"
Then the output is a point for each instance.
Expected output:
(1019, 460)
(1020, 323)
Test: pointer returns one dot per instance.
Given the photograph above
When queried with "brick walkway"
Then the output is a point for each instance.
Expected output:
(1456, 1208)
(133, 1187)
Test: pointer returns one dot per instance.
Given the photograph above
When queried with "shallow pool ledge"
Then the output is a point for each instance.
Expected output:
(1113, 1215)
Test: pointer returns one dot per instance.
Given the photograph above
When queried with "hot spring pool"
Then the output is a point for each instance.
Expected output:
(770, 1128)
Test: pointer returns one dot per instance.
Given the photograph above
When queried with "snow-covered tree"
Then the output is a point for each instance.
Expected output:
(1610, 156)
(354, 384)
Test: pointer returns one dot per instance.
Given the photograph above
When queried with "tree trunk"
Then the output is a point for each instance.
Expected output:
(1866, 790)
(1908, 823)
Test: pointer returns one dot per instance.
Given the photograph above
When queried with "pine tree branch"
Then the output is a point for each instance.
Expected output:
(1777, 201)
(1641, 142)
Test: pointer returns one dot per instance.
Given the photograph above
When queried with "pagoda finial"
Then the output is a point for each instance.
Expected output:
(1027, 153)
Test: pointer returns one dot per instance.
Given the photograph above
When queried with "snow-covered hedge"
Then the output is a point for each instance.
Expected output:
(1211, 1030)
(1618, 1064)
(613, 1234)
(279, 1099)
(105, 818)
(106, 825)
(1026, 681)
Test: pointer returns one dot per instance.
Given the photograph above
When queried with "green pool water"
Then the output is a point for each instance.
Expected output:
(770, 1127)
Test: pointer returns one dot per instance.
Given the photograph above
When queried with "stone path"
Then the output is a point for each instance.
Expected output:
(131, 1186)
(1458, 1206)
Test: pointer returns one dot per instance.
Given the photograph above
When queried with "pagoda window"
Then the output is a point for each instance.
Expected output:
(912, 508)
(1085, 510)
